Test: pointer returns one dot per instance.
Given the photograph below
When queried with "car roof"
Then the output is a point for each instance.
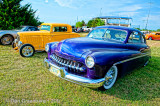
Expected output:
(119, 27)
(27, 26)
(62, 24)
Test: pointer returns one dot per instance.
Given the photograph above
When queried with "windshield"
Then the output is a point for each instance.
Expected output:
(23, 28)
(108, 34)
(45, 27)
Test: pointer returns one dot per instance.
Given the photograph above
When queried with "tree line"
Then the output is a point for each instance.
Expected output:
(13, 15)
(91, 23)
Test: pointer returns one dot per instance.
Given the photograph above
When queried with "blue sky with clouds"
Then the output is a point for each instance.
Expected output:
(67, 11)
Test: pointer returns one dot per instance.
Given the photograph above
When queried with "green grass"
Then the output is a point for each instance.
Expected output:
(25, 81)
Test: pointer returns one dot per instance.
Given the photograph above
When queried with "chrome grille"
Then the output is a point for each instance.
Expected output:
(76, 66)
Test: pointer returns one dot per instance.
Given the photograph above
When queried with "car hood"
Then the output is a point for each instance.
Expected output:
(30, 33)
(9, 31)
(76, 47)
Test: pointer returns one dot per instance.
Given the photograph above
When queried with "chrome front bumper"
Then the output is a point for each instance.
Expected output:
(17, 43)
(91, 83)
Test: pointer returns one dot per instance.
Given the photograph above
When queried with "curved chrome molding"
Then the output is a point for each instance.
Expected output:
(91, 83)
(123, 61)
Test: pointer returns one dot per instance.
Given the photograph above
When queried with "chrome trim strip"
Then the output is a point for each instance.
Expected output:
(123, 61)
(91, 83)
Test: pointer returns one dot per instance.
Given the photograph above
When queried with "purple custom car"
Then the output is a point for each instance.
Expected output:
(98, 59)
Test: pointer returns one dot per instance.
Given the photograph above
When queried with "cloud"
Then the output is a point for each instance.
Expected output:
(46, 1)
(131, 8)
(152, 18)
(64, 3)
(71, 3)
(130, 14)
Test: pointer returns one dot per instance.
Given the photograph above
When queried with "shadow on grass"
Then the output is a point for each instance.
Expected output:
(141, 84)
(39, 54)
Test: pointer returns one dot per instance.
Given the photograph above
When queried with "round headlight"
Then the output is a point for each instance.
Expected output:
(89, 62)
(47, 48)
(19, 43)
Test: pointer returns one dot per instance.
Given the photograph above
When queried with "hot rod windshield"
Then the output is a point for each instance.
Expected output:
(108, 34)
(45, 27)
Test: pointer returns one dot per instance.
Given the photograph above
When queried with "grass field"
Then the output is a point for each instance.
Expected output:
(25, 81)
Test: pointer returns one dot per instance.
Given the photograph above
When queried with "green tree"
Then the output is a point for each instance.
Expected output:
(13, 15)
(95, 22)
(79, 24)
(158, 30)
(89, 24)
(83, 23)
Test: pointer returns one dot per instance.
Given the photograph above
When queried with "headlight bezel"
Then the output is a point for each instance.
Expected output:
(47, 48)
(88, 60)
(19, 43)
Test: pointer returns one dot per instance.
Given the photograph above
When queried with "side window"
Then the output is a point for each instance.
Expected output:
(60, 29)
(157, 33)
(143, 39)
(29, 29)
(33, 29)
(135, 37)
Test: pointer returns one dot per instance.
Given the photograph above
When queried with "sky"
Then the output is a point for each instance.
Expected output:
(69, 11)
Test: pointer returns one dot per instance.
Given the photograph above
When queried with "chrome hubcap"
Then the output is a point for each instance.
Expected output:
(27, 51)
(150, 38)
(110, 77)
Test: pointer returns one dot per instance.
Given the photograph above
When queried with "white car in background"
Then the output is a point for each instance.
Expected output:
(86, 29)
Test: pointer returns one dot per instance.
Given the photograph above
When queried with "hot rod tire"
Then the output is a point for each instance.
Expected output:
(27, 50)
(150, 38)
(6, 40)
(110, 78)
(13, 45)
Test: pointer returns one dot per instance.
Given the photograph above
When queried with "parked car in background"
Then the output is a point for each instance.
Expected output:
(98, 59)
(8, 36)
(29, 42)
(74, 29)
(79, 30)
(145, 32)
(153, 36)
(86, 29)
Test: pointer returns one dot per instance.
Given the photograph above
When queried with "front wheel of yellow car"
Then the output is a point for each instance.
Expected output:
(13, 45)
(27, 50)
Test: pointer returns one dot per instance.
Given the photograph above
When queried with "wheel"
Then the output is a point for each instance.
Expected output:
(13, 45)
(110, 78)
(7, 40)
(150, 38)
(27, 50)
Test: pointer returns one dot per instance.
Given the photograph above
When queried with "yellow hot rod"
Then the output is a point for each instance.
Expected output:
(29, 42)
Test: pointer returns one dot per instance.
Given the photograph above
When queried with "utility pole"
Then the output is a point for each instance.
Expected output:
(77, 18)
(148, 14)
(100, 14)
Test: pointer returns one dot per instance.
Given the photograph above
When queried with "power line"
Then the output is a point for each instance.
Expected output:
(148, 14)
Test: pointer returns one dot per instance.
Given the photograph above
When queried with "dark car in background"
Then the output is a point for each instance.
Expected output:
(98, 59)
(8, 36)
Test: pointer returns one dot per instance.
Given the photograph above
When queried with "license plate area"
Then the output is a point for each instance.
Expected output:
(56, 71)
